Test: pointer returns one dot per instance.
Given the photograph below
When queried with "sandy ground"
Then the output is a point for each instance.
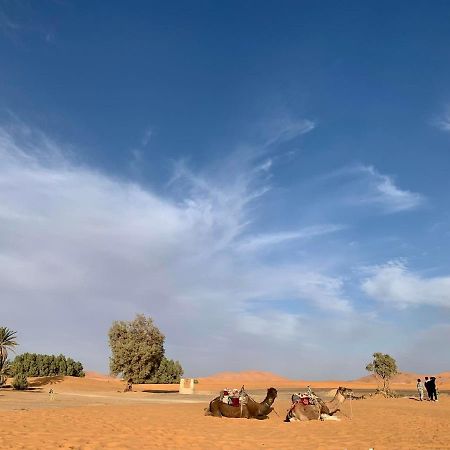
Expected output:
(95, 414)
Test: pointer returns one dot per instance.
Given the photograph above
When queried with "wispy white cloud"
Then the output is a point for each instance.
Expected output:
(442, 121)
(364, 185)
(394, 284)
(138, 152)
(148, 133)
(7, 25)
(284, 129)
(268, 240)
(14, 28)
(77, 243)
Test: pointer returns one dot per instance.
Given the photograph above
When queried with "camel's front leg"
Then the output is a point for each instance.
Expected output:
(245, 412)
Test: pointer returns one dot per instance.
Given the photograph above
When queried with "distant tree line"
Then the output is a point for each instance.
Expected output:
(36, 365)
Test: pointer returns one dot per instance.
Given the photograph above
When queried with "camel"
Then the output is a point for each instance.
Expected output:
(321, 410)
(249, 409)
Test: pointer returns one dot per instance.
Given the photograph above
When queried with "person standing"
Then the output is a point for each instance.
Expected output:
(420, 388)
(433, 393)
(427, 387)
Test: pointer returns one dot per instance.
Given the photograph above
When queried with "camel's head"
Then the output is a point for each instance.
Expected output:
(345, 392)
(272, 393)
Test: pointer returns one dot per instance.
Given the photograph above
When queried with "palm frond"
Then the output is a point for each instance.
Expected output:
(7, 342)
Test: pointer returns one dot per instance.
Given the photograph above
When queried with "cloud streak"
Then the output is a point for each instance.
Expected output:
(266, 241)
(365, 186)
(395, 285)
(442, 122)
(79, 249)
(286, 129)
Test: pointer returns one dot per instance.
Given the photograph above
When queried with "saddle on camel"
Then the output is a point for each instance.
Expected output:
(309, 406)
(235, 403)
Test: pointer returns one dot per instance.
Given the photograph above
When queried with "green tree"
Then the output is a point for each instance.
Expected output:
(137, 349)
(53, 369)
(384, 367)
(34, 365)
(20, 382)
(78, 369)
(7, 342)
(61, 364)
(169, 371)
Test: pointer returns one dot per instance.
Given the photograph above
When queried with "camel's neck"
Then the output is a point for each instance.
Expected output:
(334, 404)
(268, 400)
(264, 407)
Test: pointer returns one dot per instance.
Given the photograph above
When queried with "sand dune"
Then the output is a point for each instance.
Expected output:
(250, 375)
(94, 382)
(100, 376)
(408, 378)
(83, 417)
(253, 379)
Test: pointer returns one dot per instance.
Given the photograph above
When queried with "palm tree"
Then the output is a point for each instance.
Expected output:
(7, 342)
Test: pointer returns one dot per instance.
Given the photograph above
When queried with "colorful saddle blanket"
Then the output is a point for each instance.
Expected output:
(233, 397)
(306, 398)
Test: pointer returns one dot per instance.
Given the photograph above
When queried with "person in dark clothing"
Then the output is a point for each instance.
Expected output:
(432, 387)
(427, 387)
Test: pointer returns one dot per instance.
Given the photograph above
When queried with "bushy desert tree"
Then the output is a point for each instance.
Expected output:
(137, 349)
(384, 367)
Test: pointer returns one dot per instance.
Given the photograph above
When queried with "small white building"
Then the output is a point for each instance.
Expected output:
(186, 386)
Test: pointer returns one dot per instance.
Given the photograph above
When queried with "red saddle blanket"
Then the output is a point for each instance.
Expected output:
(234, 401)
(302, 400)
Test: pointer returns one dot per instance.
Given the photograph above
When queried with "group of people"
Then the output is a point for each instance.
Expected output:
(430, 386)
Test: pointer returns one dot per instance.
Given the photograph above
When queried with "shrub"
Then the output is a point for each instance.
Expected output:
(35, 365)
(20, 382)
(168, 372)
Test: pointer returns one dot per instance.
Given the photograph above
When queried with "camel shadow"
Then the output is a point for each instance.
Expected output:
(414, 398)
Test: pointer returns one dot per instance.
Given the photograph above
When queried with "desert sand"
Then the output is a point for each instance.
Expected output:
(94, 413)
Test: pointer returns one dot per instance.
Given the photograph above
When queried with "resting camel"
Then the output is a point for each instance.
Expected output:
(249, 409)
(321, 410)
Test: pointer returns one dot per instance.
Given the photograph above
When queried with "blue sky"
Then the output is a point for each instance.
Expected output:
(267, 180)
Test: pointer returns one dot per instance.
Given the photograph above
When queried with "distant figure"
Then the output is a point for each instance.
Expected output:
(427, 387)
(432, 385)
(129, 387)
(420, 388)
(51, 394)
